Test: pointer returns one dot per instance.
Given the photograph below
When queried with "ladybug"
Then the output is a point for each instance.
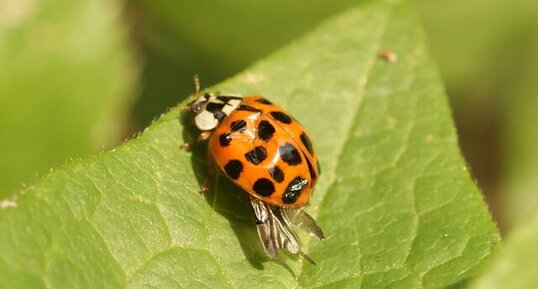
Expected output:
(262, 149)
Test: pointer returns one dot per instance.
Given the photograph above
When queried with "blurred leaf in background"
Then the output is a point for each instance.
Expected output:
(519, 191)
(66, 80)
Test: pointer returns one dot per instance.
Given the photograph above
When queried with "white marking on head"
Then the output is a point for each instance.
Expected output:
(208, 109)
(231, 106)
(205, 120)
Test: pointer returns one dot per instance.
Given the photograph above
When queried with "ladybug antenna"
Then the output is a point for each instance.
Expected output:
(196, 85)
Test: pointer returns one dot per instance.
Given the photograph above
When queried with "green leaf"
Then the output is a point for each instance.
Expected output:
(394, 198)
(65, 81)
(517, 265)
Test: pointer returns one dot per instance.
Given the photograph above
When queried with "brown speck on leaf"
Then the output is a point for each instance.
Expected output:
(388, 56)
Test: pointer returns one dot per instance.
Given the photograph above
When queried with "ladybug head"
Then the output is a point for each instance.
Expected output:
(209, 109)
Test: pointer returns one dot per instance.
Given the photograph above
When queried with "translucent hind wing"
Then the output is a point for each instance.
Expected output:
(274, 230)
(265, 227)
(304, 221)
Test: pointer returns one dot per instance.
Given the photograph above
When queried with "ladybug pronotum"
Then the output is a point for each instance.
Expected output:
(266, 152)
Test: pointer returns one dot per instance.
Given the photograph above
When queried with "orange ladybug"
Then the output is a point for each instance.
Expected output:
(266, 152)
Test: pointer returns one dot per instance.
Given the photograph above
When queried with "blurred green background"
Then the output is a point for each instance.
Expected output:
(80, 76)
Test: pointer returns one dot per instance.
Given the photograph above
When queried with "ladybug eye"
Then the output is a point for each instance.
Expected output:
(196, 108)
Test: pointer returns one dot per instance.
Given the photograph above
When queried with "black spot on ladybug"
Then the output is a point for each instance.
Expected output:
(216, 110)
(280, 116)
(289, 154)
(264, 101)
(227, 99)
(207, 95)
(277, 174)
(265, 130)
(233, 169)
(257, 155)
(294, 190)
(319, 168)
(311, 169)
(307, 143)
(238, 125)
(225, 139)
(247, 108)
(264, 187)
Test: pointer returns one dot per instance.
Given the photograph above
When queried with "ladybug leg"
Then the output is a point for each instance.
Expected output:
(207, 182)
(210, 176)
(202, 137)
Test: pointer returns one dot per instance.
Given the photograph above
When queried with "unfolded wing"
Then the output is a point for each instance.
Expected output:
(275, 231)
